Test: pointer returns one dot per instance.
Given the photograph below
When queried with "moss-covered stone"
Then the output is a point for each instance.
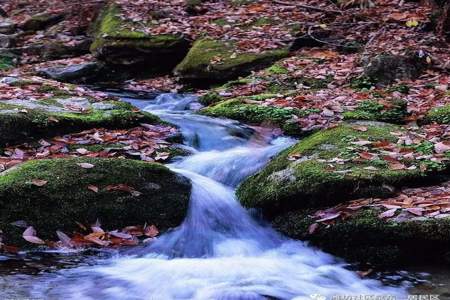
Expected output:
(41, 21)
(253, 113)
(125, 43)
(392, 112)
(162, 196)
(363, 237)
(23, 121)
(440, 115)
(305, 176)
(215, 61)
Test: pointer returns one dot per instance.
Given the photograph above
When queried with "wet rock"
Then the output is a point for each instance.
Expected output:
(65, 198)
(386, 68)
(7, 27)
(122, 47)
(72, 73)
(211, 61)
(41, 21)
(363, 237)
(254, 113)
(301, 176)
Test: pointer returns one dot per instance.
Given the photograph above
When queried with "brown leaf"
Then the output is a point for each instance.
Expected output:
(93, 188)
(86, 165)
(312, 228)
(151, 231)
(387, 214)
(65, 239)
(39, 182)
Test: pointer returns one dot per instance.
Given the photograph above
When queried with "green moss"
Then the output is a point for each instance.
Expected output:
(287, 184)
(66, 199)
(210, 98)
(362, 82)
(371, 110)
(237, 109)
(365, 238)
(6, 63)
(440, 115)
(124, 42)
(277, 69)
(17, 127)
(22, 83)
(112, 25)
(214, 60)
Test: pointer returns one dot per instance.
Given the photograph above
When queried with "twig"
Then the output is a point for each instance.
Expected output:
(308, 7)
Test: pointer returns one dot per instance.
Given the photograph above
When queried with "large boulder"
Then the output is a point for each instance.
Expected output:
(54, 194)
(341, 163)
(72, 73)
(250, 111)
(363, 236)
(211, 61)
(22, 120)
(41, 21)
(120, 43)
(386, 68)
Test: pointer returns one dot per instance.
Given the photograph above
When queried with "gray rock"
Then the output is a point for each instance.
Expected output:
(103, 106)
(7, 41)
(7, 27)
(386, 68)
(73, 73)
(41, 21)
(9, 80)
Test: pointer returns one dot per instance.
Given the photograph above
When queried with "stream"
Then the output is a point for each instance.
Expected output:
(220, 251)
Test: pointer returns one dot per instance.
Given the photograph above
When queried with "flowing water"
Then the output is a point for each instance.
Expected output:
(220, 251)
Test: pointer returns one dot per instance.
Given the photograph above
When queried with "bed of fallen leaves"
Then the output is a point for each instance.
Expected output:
(87, 236)
(37, 88)
(411, 204)
(146, 142)
(426, 148)
(337, 71)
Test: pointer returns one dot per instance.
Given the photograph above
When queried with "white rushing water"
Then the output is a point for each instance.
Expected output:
(220, 251)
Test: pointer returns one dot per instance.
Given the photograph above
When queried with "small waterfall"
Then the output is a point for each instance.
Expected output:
(219, 252)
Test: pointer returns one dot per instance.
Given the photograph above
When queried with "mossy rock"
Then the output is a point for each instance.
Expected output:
(65, 199)
(303, 176)
(363, 237)
(26, 120)
(239, 109)
(125, 43)
(440, 115)
(211, 61)
(392, 112)
(41, 21)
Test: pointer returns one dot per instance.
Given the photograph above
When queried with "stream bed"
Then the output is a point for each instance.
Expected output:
(221, 250)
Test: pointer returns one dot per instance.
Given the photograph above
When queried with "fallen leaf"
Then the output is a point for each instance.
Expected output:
(39, 182)
(312, 228)
(93, 188)
(387, 214)
(86, 165)
(30, 236)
